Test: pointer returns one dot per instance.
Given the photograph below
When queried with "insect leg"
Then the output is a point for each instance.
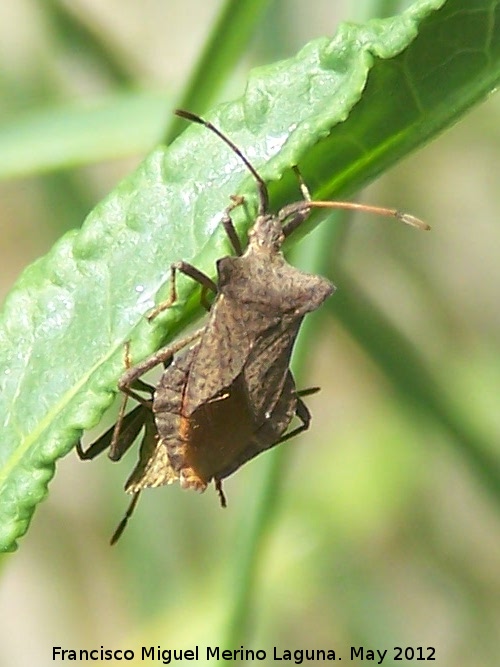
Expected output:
(133, 373)
(131, 379)
(149, 441)
(129, 430)
(308, 392)
(220, 492)
(192, 272)
(228, 225)
(297, 217)
(123, 523)
(302, 184)
(302, 412)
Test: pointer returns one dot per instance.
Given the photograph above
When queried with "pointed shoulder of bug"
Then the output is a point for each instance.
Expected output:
(277, 287)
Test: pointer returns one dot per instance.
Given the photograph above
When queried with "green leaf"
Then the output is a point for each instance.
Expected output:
(65, 323)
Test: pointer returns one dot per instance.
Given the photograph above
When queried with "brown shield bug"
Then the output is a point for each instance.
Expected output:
(227, 392)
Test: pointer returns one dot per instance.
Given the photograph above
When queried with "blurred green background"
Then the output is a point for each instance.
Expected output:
(382, 535)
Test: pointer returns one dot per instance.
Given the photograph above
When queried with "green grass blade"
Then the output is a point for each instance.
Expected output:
(79, 37)
(411, 378)
(227, 42)
(70, 135)
(256, 528)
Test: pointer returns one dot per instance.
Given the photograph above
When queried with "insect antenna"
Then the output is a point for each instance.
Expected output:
(261, 185)
(295, 212)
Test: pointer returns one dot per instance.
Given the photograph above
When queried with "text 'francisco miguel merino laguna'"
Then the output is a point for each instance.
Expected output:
(167, 656)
